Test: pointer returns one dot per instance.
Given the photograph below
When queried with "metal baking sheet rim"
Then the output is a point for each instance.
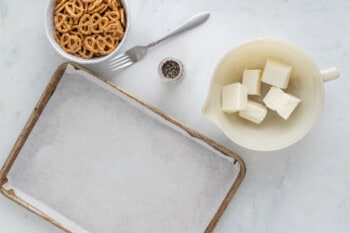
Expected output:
(40, 106)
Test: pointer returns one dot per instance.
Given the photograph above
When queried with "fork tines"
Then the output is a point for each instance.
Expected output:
(121, 61)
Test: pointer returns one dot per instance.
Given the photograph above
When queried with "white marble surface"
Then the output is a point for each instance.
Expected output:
(304, 188)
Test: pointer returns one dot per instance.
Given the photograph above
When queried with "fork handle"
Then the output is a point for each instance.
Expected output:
(187, 25)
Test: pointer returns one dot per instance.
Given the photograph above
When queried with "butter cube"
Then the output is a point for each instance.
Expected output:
(283, 103)
(234, 98)
(276, 73)
(289, 104)
(254, 112)
(273, 99)
(251, 79)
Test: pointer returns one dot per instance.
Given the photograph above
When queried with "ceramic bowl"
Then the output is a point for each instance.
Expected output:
(274, 132)
(50, 30)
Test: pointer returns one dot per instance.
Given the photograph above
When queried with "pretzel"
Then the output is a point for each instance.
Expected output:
(98, 23)
(85, 53)
(63, 23)
(60, 5)
(84, 24)
(105, 44)
(113, 5)
(70, 43)
(122, 17)
(75, 8)
(57, 37)
(99, 9)
(92, 5)
(114, 29)
(89, 28)
(113, 15)
(90, 44)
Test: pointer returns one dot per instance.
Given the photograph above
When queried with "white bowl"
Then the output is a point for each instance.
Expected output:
(273, 133)
(50, 30)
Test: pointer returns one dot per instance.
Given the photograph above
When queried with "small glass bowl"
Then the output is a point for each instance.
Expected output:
(171, 70)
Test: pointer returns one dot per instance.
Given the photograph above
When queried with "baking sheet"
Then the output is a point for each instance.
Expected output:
(100, 160)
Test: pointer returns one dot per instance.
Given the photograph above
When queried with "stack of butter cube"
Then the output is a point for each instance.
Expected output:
(235, 97)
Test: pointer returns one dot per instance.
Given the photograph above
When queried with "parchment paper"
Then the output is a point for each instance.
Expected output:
(97, 161)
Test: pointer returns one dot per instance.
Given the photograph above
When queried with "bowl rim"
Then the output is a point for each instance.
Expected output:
(274, 147)
(76, 59)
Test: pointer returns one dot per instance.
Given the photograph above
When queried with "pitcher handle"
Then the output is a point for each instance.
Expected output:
(330, 74)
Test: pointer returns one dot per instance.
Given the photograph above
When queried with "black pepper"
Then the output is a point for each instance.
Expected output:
(171, 69)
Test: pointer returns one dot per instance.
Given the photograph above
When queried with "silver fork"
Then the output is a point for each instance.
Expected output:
(138, 52)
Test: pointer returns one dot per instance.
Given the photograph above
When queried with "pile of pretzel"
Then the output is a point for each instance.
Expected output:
(89, 28)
